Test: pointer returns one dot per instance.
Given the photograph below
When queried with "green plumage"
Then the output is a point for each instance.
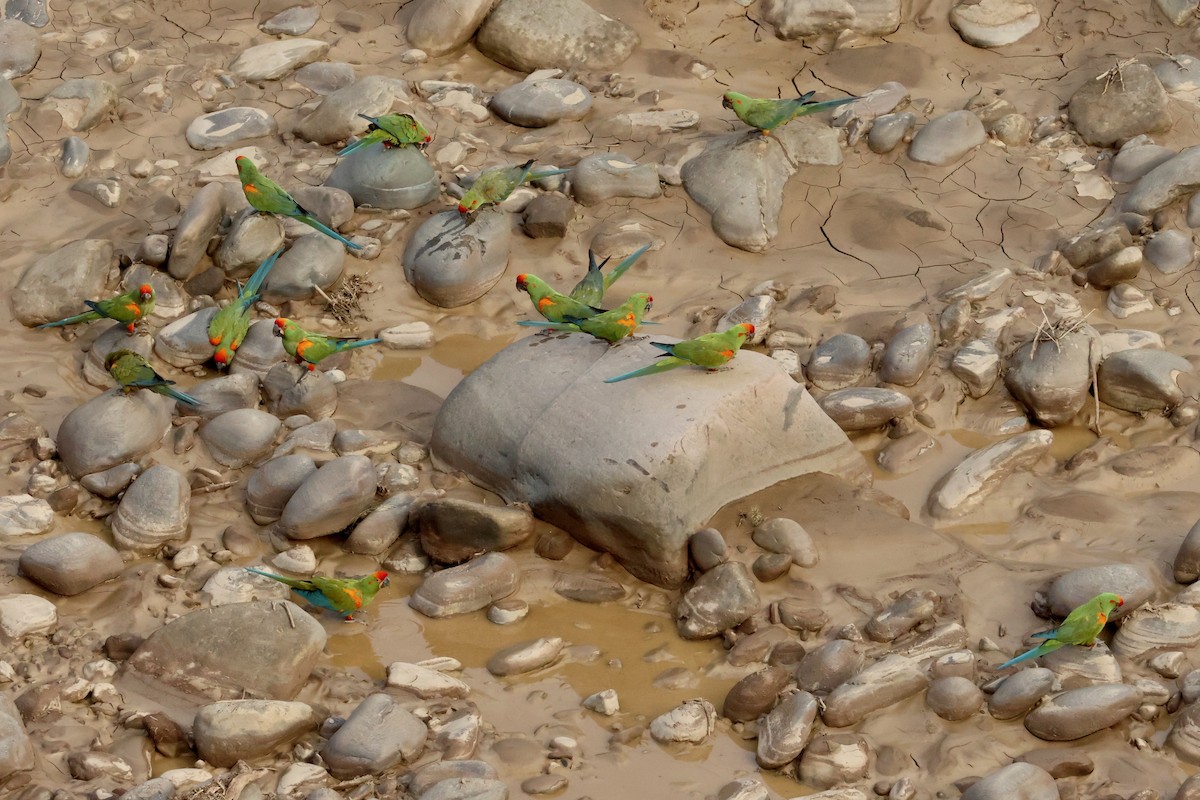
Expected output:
(343, 595)
(766, 115)
(710, 351)
(313, 348)
(130, 308)
(495, 185)
(611, 326)
(394, 130)
(591, 288)
(131, 371)
(1081, 627)
(264, 194)
(552, 305)
(228, 328)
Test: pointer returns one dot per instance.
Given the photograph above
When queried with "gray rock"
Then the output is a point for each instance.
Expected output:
(184, 342)
(1019, 781)
(839, 361)
(707, 548)
(454, 530)
(31, 12)
(977, 476)
(994, 23)
(1108, 109)
(1137, 157)
(292, 389)
(263, 649)
(112, 481)
(755, 695)
(867, 408)
(83, 103)
(758, 310)
(381, 177)
(547, 216)
(467, 587)
(10, 101)
(154, 510)
(24, 515)
(56, 285)
(451, 264)
(907, 612)
(274, 483)
(275, 59)
(946, 139)
(359, 441)
(908, 354)
(333, 206)
(954, 698)
(880, 685)
(441, 26)
(1187, 560)
(1119, 267)
(1142, 380)
(336, 118)
(240, 437)
(604, 176)
(153, 789)
(228, 127)
(112, 429)
(692, 721)
(513, 448)
(739, 179)
(225, 393)
(331, 498)
(721, 598)
(834, 759)
(228, 731)
(5, 144)
(70, 563)
(781, 535)
(260, 352)
(1013, 130)
(20, 48)
(196, 227)
(1156, 629)
(538, 103)
(525, 657)
(313, 260)
(890, 130)
(73, 159)
(106, 191)
(796, 19)
(1051, 378)
(378, 735)
(380, 529)
(1183, 739)
(1020, 692)
(467, 789)
(251, 238)
(293, 21)
(1091, 246)
(527, 35)
(16, 749)
(1135, 584)
(785, 731)
(1170, 251)
(1077, 713)
(325, 77)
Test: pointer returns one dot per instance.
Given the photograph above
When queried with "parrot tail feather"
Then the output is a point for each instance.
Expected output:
(620, 269)
(357, 343)
(666, 348)
(292, 582)
(95, 307)
(372, 120)
(1040, 650)
(553, 326)
(1044, 634)
(86, 316)
(812, 108)
(350, 148)
(182, 397)
(546, 173)
(667, 363)
(313, 222)
(259, 277)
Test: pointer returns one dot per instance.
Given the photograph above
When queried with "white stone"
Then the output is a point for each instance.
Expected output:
(603, 702)
(408, 336)
(23, 515)
(22, 614)
(423, 682)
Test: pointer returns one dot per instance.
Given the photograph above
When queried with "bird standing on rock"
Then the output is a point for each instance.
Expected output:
(1081, 626)
(346, 596)
(610, 326)
(129, 308)
(264, 194)
(132, 371)
(311, 349)
(554, 306)
(767, 115)
(495, 185)
(594, 284)
(394, 130)
(229, 326)
(711, 351)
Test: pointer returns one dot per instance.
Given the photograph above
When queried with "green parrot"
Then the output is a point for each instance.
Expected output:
(343, 595)
(766, 115)
(1081, 626)
(267, 196)
(313, 348)
(552, 305)
(495, 185)
(228, 328)
(611, 326)
(591, 289)
(712, 350)
(130, 308)
(132, 371)
(394, 130)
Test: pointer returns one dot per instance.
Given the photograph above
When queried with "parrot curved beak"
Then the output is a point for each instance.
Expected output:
(726, 102)
(522, 283)
(385, 582)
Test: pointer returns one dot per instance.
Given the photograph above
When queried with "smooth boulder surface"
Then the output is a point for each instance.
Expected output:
(16, 749)
(56, 285)
(451, 262)
(527, 35)
(379, 735)
(70, 563)
(244, 729)
(111, 429)
(440, 26)
(386, 177)
(1109, 108)
(638, 490)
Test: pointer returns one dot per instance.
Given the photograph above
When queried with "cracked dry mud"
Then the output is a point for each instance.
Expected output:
(869, 246)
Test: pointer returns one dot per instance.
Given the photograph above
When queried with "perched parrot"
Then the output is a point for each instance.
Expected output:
(611, 326)
(394, 130)
(496, 184)
(267, 196)
(229, 327)
(591, 289)
(129, 308)
(132, 371)
(552, 305)
(712, 350)
(766, 115)
(313, 348)
(343, 595)
(1081, 626)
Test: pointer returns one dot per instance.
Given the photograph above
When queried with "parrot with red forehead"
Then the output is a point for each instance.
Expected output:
(130, 308)
(495, 185)
(311, 349)
(710, 351)
(1081, 627)
(394, 130)
(610, 326)
(229, 326)
(766, 114)
(264, 194)
(346, 596)
(552, 305)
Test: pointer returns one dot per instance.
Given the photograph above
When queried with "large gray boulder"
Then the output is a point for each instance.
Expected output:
(527, 35)
(672, 449)
(56, 285)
